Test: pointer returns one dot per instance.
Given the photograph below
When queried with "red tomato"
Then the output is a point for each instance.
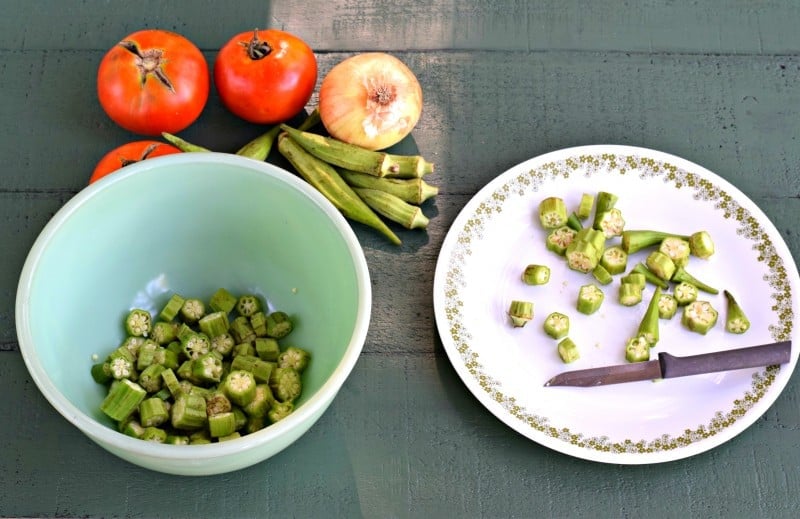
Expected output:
(153, 81)
(128, 154)
(265, 76)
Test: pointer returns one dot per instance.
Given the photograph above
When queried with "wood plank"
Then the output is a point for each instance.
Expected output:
(404, 438)
(731, 26)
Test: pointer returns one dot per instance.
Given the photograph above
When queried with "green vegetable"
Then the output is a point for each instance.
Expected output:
(585, 206)
(222, 301)
(581, 256)
(188, 412)
(240, 387)
(602, 275)
(630, 294)
(261, 403)
(649, 276)
(610, 222)
(241, 330)
(573, 222)
(192, 310)
(214, 324)
(590, 298)
(330, 184)
(259, 148)
(285, 384)
(183, 145)
(552, 212)
(536, 274)
(556, 325)
(648, 327)
(520, 313)
(637, 349)
(267, 349)
(701, 244)
(667, 306)
(636, 240)
(735, 321)
(222, 424)
(677, 249)
(559, 239)
(279, 325)
(163, 332)
(604, 201)
(661, 265)
(138, 323)
(614, 260)
(153, 412)
(568, 350)
(154, 434)
(197, 345)
(685, 293)
(294, 357)
(279, 411)
(699, 316)
(393, 208)
(411, 190)
(207, 368)
(123, 398)
(247, 305)
(171, 308)
(636, 278)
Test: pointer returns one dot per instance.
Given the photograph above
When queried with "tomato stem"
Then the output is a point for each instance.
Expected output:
(257, 48)
(148, 62)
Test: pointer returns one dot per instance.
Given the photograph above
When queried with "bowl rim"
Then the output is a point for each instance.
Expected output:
(314, 405)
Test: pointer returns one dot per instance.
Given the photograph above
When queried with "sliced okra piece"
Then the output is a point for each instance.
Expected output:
(552, 212)
(154, 434)
(294, 357)
(123, 398)
(735, 321)
(595, 237)
(132, 344)
(258, 321)
(150, 379)
(138, 323)
(207, 368)
(262, 402)
(248, 304)
(285, 384)
(255, 423)
(177, 439)
(667, 306)
(279, 411)
(536, 274)
(581, 256)
(685, 293)
(164, 332)
(184, 332)
(568, 350)
(121, 366)
(574, 222)
(649, 276)
(241, 330)
(630, 294)
(590, 298)
(701, 244)
(192, 310)
(222, 424)
(602, 275)
(214, 324)
(171, 309)
(132, 428)
(245, 348)
(556, 325)
(559, 239)
(267, 349)
(614, 260)
(661, 265)
(188, 412)
(233, 436)
(166, 357)
(240, 387)
(681, 275)
(185, 372)
(637, 349)
(636, 240)
(147, 354)
(170, 381)
(101, 373)
(279, 325)
(217, 403)
(699, 316)
(197, 345)
(677, 249)
(610, 222)
(260, 369)
(520, 313)
(164, 395)
(585, 206)
(223, 344)
(222, 301)
(241, 417)
(153, 412)
(604, 201)
(635, 278)
(200, 437)
(648, 327)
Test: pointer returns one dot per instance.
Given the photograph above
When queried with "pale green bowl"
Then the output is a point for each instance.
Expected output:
(190, 223)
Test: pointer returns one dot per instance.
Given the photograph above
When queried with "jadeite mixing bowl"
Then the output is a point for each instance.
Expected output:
(190, 224)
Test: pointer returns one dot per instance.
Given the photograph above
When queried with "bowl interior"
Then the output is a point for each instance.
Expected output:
(188, 225)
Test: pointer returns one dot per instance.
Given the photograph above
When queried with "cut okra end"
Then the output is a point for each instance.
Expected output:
(556, 325)
(699, 317)
(552, 212)
(735, 321)
(520, 313)
(536, 274)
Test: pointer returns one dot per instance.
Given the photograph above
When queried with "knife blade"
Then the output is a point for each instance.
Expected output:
(671, 366)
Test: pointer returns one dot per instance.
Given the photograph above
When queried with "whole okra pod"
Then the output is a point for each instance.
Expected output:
(392, 207)
(411, 190)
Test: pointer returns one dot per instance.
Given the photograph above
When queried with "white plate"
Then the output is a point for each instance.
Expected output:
(497, 234)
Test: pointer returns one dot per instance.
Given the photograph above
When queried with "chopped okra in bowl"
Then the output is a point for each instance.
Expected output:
(194, 314)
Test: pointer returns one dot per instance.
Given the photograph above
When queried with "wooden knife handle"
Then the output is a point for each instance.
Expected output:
(754, 356)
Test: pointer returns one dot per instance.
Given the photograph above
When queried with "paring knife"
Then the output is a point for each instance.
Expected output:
(670, 366)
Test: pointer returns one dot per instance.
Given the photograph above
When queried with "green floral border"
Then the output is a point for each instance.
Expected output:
(588, 165)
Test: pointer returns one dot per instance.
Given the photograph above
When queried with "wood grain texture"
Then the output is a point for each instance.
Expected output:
(503, 82)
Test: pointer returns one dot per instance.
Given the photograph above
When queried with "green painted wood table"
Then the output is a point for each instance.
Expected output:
(713, 82)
